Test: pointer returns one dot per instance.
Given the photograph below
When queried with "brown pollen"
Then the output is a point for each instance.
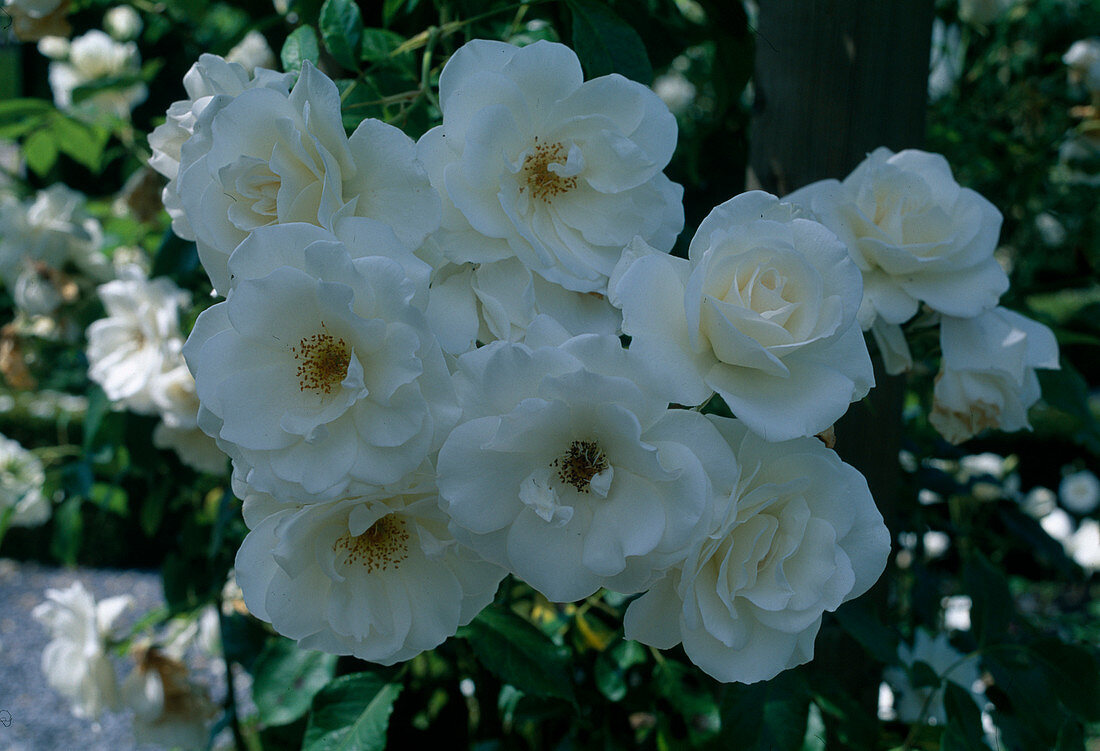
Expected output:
(543, 183)
(383, 546)
(580, 463)
(322, 361)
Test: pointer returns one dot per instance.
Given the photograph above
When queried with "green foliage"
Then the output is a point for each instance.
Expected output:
(287, 679)
(606, 43)
(351, 714)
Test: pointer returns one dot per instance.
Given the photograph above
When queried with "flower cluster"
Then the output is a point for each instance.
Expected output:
(419, 373)
(921, 240)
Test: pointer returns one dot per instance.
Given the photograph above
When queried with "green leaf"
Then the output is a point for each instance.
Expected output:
(300, 46)
(607, 44)
(1071, 736)
(342, 28)
(862, 624)
(520, 654)
(993, 604)
(378, 45)
(175, 256)
(351, 713)
(964, 722)
(609, 678)
(40, 151)
(286, 678)
(391, 8)
(82, 142)
(16, 109)
(68, 528)
(1074, 674)
(691, 695)
(770, 715)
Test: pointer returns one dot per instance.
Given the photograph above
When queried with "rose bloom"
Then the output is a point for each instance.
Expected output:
(52, 230)
(373, 574)
(94, 57)
(75, 660)
(318, 368)
(138, 341)
(21, 479)
(763, 312)
(793, 533)
(914, 233)
(535, 163)
(568, 471)
(263, 157)
(210, 77)
(987, 379)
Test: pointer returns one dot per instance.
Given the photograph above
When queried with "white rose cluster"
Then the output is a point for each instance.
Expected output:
(135, 354)
(92, 58)
(22, 502)
(919, 238)
(418, 367)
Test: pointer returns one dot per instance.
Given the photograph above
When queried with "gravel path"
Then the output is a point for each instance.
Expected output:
(41, 719)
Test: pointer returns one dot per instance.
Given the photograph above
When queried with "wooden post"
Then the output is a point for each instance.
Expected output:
(834, 80)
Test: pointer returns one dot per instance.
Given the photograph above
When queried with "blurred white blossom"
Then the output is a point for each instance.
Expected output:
(96, 57)
(1083, 61)
(21, 479)
(1080, 492)
(252, 52)
(75, 660)
(947, 663)
(122, 22)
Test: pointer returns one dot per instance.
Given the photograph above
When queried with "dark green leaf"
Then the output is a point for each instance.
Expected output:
(300, 46)
(769, 716)
(520, 654)
(1074, 674)
(286, 678)
(1071, 736)
(379, 44)
(68, 528)
(351, 714)
(605, 43)
(98, 408)
(609, 678)
(691, 695)
(862, 624)
(40, 151)
(993, 606)
(964, 722)
(341, 26)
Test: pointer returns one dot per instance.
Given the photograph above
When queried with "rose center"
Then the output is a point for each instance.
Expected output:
(322, 362)
(582, 461)
(539, 179)
(383, 546)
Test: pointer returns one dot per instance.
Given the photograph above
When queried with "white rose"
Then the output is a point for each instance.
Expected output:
(138, 341)
(21, 480)
(763, 312)
(1080, 492)
(567, 471)
(988, 379)
(210, 77)
(318, 369)
(55, 48)
(375, 574)
(536, 163)
(262, 158)
(914, 233)
(53, 229)
(913, 704)
(75, 660)
(94, 57)
(793, 535)
(1083, 60)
